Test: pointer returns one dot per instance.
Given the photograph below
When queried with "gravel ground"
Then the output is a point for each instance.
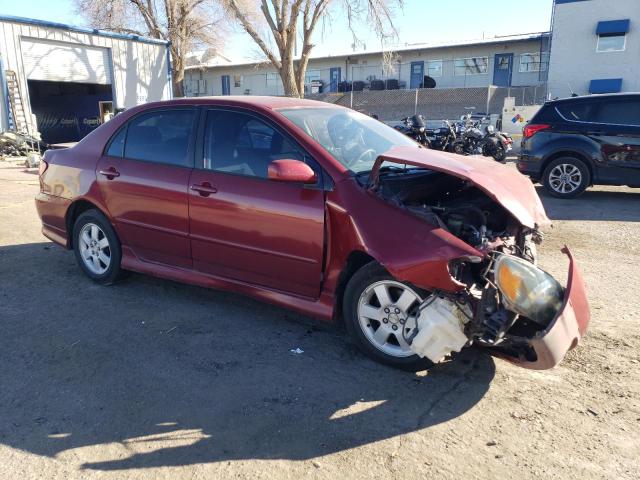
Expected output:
(153, 379)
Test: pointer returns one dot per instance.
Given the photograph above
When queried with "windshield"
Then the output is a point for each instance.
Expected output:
(354, 139)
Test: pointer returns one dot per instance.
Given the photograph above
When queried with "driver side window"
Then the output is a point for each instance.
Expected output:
(242, 144)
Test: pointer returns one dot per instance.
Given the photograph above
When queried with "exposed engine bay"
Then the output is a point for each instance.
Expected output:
(507, 300)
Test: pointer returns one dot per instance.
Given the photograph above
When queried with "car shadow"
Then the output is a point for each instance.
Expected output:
(151, 373)
(594, 204)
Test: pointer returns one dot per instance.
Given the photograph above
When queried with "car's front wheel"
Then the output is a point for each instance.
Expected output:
(566, 177)
(96, 247)
(380, 315)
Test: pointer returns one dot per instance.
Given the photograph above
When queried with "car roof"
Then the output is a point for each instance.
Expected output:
(273, 103)
(594, 96)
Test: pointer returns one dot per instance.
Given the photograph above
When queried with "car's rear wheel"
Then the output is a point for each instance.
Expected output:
(97, 248)
(380, 314)
(566, 177)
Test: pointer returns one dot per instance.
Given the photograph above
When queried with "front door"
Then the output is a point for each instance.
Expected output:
(144, 184)
(417, 75)
(502, 69)
(244, 226)
(226, 85)
(334, 79)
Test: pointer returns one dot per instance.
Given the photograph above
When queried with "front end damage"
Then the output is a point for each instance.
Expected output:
(507, 304)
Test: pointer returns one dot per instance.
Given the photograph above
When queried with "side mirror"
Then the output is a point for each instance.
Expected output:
(291, 171)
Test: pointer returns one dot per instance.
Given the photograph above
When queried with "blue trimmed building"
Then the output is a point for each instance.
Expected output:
(61, 82)
(595, 47)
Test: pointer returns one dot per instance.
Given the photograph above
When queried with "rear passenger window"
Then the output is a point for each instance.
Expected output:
(577, 111)
(116, 147)
(161, 137)
(242, 144)
(620, 112)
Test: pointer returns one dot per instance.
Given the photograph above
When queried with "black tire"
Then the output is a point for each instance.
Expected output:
(500, 155)
(113, 272)
(550, 174)
(458, 148)
(367, 275)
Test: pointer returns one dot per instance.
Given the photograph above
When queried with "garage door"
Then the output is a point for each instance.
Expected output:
(65, 62)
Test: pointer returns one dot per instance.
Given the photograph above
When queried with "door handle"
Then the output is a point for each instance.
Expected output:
(111, 173)
(204, 189)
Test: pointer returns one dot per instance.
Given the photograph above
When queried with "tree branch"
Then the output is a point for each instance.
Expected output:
(248, 27)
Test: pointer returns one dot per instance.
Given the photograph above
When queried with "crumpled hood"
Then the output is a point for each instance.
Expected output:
(504, 184)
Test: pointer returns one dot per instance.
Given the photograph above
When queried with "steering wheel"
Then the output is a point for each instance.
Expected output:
(368, 152)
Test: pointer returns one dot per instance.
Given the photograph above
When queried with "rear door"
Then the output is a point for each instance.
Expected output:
(244, 226)
(616, 127)
(143, 178)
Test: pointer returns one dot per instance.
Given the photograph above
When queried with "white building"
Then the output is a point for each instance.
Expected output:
(595, 47)
(519, 60)
(63, 81)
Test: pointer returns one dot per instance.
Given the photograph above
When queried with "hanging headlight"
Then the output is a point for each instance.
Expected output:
(527, 290)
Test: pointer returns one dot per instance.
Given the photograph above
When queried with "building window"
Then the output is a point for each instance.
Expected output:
(434, 68)
(237, 80)
(471, 66)
(611, 42)
(612, 35)
(311, 75)
(533, 62)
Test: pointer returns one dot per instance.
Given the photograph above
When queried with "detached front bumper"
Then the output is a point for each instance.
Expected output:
(567, 328)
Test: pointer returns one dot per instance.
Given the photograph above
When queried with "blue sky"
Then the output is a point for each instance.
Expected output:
(432, 21)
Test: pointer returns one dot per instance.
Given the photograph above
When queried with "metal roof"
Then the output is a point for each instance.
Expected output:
(71, 28)
(418, 47)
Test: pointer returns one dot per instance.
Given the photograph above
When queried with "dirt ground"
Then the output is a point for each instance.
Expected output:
(153, 379)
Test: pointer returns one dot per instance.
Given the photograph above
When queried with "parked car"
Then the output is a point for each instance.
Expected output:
(322, 210)
(576, 142)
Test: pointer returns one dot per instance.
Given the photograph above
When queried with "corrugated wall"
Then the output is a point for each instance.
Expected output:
(140, 70)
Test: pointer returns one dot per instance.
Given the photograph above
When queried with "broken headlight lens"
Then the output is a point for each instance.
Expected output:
(527, 290)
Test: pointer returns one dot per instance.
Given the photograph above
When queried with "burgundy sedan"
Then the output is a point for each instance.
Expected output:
(322, 210)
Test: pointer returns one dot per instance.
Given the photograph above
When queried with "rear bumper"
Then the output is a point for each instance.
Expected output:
(529, 165)
(52, 211)
(566, 330)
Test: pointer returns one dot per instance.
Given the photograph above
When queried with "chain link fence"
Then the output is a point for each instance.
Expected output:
(434, 103)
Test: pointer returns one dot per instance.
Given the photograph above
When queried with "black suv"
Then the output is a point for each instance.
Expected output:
(576, 142)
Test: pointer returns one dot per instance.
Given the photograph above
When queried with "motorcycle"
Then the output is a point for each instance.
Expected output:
(442, 138)
(415, 127)
(496, 144)
(486, 141)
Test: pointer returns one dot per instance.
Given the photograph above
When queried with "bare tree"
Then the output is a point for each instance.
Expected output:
(286, 20)
(187, 24)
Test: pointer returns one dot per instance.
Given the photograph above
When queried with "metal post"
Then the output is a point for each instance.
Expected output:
(351, 97)
(415, 103)
(488, 98)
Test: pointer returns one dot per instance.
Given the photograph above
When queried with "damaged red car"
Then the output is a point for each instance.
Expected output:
(322, 210)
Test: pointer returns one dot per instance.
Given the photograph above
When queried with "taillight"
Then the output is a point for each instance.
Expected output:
(530, 130)
(42, 167)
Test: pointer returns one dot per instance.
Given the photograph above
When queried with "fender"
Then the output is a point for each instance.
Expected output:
(551, 145)
(408, 247)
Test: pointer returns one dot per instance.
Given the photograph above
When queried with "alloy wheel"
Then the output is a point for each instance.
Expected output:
(387, 313)
(94, 248)
(565, 178)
